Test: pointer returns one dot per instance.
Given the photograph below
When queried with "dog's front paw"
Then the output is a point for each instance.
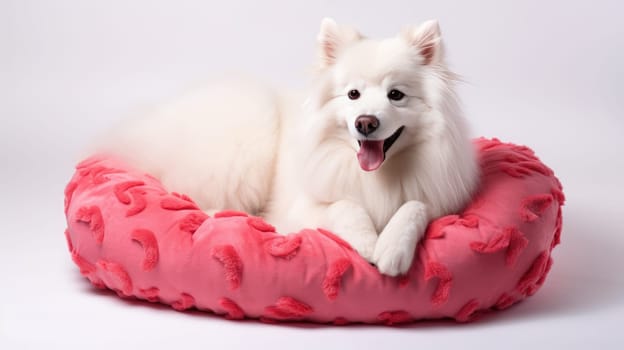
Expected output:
(393, 255)
(395, 246)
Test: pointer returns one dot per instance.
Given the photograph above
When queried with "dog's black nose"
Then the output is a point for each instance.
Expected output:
(366, 124)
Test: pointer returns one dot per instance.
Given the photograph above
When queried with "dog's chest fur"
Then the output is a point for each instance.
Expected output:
(381, 193)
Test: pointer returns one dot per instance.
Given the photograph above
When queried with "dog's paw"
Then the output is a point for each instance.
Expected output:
(396, 245)
(393, 256)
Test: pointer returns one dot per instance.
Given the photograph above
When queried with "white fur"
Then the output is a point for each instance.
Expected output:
(244, 146)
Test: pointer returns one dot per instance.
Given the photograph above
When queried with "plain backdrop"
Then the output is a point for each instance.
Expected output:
(547, 74)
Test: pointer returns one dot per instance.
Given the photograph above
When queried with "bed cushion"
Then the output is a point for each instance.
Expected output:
(126, 232)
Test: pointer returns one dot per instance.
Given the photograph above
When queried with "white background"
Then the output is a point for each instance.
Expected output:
(545, 74)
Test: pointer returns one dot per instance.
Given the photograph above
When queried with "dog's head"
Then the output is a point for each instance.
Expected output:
(380, 93)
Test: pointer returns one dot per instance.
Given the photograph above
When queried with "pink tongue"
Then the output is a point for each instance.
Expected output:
(371, 155)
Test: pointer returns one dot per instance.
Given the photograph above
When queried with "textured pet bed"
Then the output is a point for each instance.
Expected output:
(127, 233)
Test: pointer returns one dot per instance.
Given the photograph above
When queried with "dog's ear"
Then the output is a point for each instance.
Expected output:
(427, 39)
(331, 39)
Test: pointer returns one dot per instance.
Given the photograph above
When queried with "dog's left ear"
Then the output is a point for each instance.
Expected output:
(427, 39)
(331, 39)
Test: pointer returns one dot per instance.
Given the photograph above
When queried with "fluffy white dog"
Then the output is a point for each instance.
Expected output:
(377, 149)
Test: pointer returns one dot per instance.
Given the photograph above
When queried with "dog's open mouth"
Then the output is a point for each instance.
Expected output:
(373, 152)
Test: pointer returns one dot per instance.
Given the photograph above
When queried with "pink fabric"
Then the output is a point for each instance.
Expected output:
(127, 233)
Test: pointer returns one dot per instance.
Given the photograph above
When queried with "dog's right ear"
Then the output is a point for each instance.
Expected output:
(331, 39)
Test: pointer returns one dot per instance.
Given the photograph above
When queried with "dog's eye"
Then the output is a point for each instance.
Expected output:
(353, 94)
(395, 95)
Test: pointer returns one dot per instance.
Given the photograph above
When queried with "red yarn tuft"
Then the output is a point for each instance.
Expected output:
(86, 268)
(484, 144)
(403, 281)
(150, 294)
(86, 163)
(69, 192)
(121, 190)
(504, 301)
(191, 222)
(441, 294)
(533, 274)
(517, 243)
(333, 277)
(182, 196)
(229, 213)
(394, 317)
(285, 246)
(287, 308)
(495, 244)
(340, 321)
(436, 227)
(521, 165)
(466, 313)
(233, 311)
(70, 246)
(118, 273)
(557, 193)
(534, 206)
(541, 280)
(177, 201)
(510, 239)
(139, 202)
(558, 227)
(470, 221)
(185, 302)
(92, 216)
(335, 238)
(515, 171)
(87, 170)
(538, 167)
(96, 282)
(232, 264)
(532, 289)
(148, 241)
(524, 150)
(260, 225)
(97, 174)
(267, 320)
(435, 230)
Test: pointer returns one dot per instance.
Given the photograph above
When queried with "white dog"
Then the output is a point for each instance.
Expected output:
(378, 148)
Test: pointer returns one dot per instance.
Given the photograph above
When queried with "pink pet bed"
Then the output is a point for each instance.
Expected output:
(127, 233)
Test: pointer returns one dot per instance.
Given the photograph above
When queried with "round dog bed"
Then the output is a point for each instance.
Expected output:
(127, 233)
